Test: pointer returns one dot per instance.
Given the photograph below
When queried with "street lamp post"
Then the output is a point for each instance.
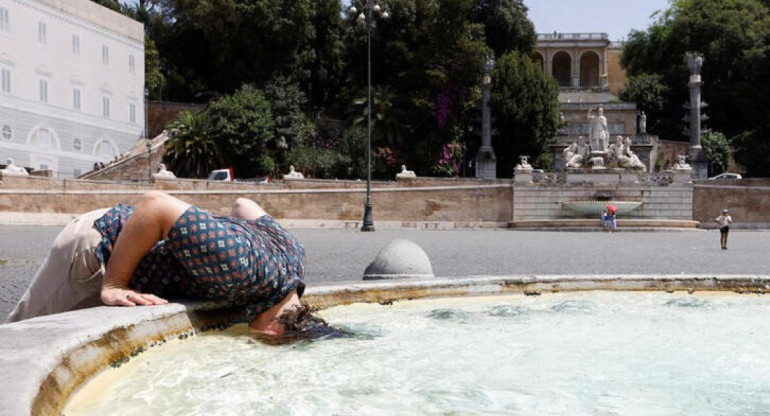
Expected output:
(147, 135)
(366, 16)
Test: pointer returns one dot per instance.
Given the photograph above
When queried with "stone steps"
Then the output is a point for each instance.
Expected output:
(583, 224)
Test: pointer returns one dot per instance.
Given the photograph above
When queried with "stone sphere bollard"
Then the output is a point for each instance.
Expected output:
(399, 259)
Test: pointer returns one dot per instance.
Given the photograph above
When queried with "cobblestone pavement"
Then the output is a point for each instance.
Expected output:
(342, 255)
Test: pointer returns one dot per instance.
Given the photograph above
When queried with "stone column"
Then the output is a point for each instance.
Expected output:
(697, 155)
(486, 161)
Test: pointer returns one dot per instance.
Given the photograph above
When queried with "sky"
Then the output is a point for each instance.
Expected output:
(614, 17)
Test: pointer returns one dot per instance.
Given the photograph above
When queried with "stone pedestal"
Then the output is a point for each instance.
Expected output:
(486, 163)
(698, 163)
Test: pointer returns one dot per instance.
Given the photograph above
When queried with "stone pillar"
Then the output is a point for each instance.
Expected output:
(697, 155)
(486, 161)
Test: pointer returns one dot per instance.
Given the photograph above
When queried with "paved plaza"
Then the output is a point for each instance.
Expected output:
(342, 255)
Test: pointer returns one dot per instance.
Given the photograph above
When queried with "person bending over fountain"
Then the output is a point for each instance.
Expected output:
(166, 248)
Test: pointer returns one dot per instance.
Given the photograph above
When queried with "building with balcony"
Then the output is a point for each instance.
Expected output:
(72, 84)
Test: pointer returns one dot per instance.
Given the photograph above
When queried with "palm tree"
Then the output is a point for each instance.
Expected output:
(191, 150)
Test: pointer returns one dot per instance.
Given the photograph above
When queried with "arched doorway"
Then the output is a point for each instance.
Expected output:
(105, 151)
(44, 147)
(562, 69)
(589, 69)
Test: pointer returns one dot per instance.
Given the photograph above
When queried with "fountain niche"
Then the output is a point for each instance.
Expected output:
(595, 208)
(603, 156)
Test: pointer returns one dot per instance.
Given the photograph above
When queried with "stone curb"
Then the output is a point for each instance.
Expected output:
(46, 359)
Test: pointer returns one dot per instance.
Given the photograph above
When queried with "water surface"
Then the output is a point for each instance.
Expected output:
(586, 353)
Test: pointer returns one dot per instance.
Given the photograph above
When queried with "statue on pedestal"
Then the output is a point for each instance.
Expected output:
(405, 173)
(163, 173)
(12, 170)
(523, 165)
(293, 174)
(599, 134)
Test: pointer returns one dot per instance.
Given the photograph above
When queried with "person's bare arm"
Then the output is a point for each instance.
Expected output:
(154, 215)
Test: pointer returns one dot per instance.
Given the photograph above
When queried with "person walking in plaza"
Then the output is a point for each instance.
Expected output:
(163, 248)
(724, 221)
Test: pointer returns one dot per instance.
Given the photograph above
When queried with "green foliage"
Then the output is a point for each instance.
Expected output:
(752, 149)
(191, 150)
(245, 130)
(110, 4)
(153, 78)
(717, 150)
(649, 93)
(525, 106)
(309, 59)
(734, 37)
(506, 27)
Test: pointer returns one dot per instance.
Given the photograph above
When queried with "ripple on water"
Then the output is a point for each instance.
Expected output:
(689, 302)
(575, 306)
(506, 311)
(449, 314)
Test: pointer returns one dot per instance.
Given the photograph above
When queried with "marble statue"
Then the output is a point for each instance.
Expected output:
(405, 173)
(293, 174)
(620, 152)
(681, 164)
(599, 132)
(162, 173)
(642, 123)
(12, 170)
(633, 160)
(572, 158)
(523, 165)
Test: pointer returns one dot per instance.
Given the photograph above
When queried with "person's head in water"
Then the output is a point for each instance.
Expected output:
(299, 324)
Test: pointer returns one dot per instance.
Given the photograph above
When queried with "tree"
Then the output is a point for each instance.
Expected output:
(649, 93)
(525, 106)
(245, 131)
(506, 27)
(717, 150)
(734, 37)
(191, 150)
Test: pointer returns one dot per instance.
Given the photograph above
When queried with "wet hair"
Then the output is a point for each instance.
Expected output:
(300, 324)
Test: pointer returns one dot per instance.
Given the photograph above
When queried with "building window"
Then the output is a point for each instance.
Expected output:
(76, 44)
(132, 113)
(77, 144)
(131, 64)
(106, 107)
(4, 21)
(42, 33)
(5, 78)
(7, 132)
(105, 54)
(105, 151)
(76, 98)
(43, 89)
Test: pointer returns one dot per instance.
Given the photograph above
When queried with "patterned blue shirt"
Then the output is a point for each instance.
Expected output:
(248, 263)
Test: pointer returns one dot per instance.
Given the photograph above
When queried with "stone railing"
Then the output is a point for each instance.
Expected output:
(572, 36)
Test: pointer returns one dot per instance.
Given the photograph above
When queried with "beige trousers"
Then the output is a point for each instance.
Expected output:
(70, 277)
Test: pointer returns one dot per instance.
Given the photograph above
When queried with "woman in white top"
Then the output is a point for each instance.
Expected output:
(724, 221)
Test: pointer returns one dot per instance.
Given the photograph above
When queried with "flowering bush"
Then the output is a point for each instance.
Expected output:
(450, 159)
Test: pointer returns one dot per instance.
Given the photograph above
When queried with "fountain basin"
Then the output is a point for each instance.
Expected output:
(595, 208)
(46, 359)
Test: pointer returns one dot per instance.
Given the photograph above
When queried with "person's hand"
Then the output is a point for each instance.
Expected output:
(113, 296)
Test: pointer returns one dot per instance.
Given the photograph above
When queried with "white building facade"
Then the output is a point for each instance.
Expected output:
(71, 84)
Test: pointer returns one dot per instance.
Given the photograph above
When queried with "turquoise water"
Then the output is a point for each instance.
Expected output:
(587, 353)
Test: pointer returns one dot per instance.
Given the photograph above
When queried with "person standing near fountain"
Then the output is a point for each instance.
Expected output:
(724, 221)
(165, 247)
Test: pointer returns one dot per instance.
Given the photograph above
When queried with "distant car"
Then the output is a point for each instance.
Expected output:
(727, 175)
